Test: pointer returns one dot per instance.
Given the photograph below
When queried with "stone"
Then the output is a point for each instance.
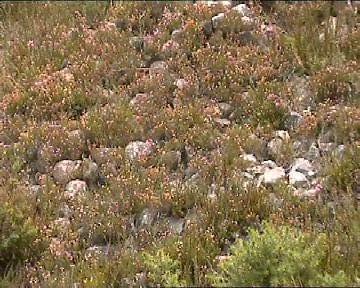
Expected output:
(304, 166)
(90, 171)
(75, 188)
(77, 144)
(176, 225)
(176, 34)
(327, 148)
(297, 179)
(269, 164)
(274, 147)
(273, 176)
(340, 151)
(225, 109)
(249, 158)
(181, 84)
(313, 152)
(283, 135)
(66, 170)
(137, 150)
(139, 100)
(217, 19)
(242, 9)
(146, 218)
(103, 155)
(294, 120)
(222, 122)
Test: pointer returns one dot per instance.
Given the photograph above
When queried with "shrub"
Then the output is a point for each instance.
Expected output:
(278, 256)
(18, 240)
(162, 269)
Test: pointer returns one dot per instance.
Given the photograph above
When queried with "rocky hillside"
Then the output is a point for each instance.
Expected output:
(179, 143)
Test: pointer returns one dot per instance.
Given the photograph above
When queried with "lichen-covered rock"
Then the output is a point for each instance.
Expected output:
(66, 170)
(297, 179)
(304, 166)
(90, 171)
(138, 150)
(75, 188)
(273, 176)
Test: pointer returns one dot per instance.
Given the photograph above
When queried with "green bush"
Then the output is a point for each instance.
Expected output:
(18, 238)
(278, 256)
(162, 269)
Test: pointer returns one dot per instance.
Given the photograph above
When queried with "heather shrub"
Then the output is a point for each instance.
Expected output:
(112, 126)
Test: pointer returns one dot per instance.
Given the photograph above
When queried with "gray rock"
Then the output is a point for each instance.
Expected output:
(217, 19)
(269, 164)
(294, 121)
(274, 147)
(297, 179)
(66, 170)
(327, 148)
(139, 100)
(225, 109)
(340, 151)
(90, 171)
(274, 176)
(77, 140)
(176, 34)
(282, 134)
(242, 9)
(146, 218)
(304, 166)
(136, 150)
(249, 158)
(313, 153)
(222, 122)
(303, 96)
(176, 225)
(75, 188)
(181, 84)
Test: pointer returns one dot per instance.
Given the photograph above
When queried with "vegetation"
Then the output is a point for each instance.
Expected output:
(82, 81)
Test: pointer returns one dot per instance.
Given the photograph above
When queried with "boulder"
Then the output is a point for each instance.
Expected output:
(66, 170)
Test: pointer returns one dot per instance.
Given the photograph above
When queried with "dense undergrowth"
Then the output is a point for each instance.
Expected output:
(203, 96)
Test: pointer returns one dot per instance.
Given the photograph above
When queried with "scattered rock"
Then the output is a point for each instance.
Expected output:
(249, 158)
(225, 109)
(273, 176)
(137, 150)
(146, 218)
(304, 166)
(139, 100)
(181, 84)
(104, 155)
(243, 10)
(75, 188)
(66, 170)
(283, 135)
(274, 147)
(217, 19)
(327, 148)
(297, 179)
(269, 164)
(222, 122)
(77, 144)
(294, 121)
(90, 171)
(176, 225)
(313, 153)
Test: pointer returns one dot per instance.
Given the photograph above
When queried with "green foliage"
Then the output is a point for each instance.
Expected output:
(277, 256)
(162, 269)
(19, 238)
